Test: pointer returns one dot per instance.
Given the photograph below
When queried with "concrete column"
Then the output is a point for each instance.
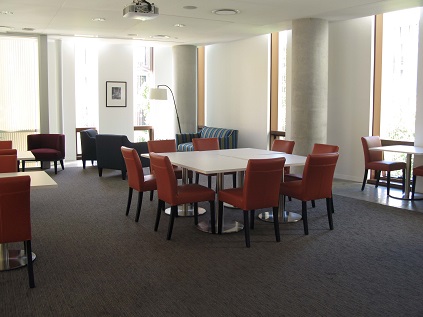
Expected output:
(185, 85)
(310, 39)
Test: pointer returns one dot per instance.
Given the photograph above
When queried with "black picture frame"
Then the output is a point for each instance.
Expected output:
(115, 93)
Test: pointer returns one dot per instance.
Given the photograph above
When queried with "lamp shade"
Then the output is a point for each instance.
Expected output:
(158, 93)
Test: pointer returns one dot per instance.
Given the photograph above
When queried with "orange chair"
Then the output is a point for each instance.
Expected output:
(170, 192)
(284, 146)
(164, 146)
(261, 190)
(373, 160)
(209, 144)
(15, 216)
(417, 171)
(136, 178)
(8, 161)
(316, 183)
(5, 144)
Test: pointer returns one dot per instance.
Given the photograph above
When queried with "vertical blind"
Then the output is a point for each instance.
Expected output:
(19, 93)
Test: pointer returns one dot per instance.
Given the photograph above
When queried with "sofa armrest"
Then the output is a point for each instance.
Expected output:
(186, 137)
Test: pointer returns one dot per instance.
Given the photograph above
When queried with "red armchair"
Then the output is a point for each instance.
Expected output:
(47, 147)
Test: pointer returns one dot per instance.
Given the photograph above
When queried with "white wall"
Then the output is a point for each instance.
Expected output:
(115, 63)
(237, 89)
(350, 92)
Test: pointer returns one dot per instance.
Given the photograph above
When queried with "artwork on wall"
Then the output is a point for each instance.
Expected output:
(115, 93)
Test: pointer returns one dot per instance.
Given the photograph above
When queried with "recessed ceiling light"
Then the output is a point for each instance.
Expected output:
(28, 29)
(179, 25)
(160, 36)
(133, 34)
(226, 11)
(190, 7)
(98, 19)
(6, 12)
(4, 28)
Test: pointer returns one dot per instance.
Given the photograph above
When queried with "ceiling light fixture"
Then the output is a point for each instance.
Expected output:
(226, 11)
(141, 10)
(98, 19)
(190, 7)
(179, 25)
(6, 12)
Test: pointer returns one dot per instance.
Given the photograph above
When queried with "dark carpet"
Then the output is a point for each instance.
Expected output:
(92, 260)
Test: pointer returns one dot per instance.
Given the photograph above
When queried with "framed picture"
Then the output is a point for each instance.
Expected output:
(115, 93)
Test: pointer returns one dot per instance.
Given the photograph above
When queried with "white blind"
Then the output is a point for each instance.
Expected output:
(19, 94)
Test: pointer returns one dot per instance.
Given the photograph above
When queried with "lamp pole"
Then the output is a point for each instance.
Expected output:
(174, 102)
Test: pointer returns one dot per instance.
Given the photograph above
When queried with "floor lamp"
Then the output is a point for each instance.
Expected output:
(161, 94)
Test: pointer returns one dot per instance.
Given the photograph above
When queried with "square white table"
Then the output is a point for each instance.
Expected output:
(410, 150)
(13, 259)
(222, 161)
(24, 156)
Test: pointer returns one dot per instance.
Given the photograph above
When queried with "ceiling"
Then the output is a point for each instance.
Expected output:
(74, 17)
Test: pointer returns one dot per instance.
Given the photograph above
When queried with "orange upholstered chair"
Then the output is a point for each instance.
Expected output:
(373, 160)
(136, 178)
(15, 217)
(5, 144)
(209, 144)
(285, 146)
(316, 183)
(417, 171)
(8, 161)
(260, 190)
(170, 192)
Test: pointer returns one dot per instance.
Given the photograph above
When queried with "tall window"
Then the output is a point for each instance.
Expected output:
(399, 74)
(19, 92)
(283, 38)
(142, 83)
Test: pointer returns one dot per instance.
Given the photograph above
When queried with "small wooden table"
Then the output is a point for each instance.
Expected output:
(13, 259)
(410, 150)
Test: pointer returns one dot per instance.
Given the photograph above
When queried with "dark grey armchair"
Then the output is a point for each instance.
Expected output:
(88, 146)
(110, 156)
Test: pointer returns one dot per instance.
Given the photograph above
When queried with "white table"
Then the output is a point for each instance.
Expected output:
(13, 259)
(410, 151)
(24, 156)
(221, 161)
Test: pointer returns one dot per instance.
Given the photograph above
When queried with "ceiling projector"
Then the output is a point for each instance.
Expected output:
(141, 10)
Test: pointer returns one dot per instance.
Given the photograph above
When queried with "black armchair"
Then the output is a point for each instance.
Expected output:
(88, 147)
(109, 154)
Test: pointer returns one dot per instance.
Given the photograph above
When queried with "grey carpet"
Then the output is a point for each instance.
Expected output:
(92, 260)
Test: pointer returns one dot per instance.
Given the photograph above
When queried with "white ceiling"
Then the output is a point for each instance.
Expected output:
(74, 17)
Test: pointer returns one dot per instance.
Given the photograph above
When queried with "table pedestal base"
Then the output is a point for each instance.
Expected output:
(188, 212)
(284, 217)
(14, 259)
(404, 196)
(228, 227)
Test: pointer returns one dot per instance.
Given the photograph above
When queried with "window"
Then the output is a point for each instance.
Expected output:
(19, 89)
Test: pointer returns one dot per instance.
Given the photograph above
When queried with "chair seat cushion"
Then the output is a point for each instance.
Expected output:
(232, 196)
(418, 171)
(191, 193)
(386, 165)
(47, 154)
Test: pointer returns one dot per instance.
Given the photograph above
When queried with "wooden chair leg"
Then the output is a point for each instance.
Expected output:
(252, 216)
(208, 181)
(197, 178)
(246, 229)
(364, 179)
(388, 182)
(313, 204)
(234, 180)
(220, 220)
(62, 165)
(28, 250)
(329, 204)
(173, 214)
(83, 164)
(159, 212)
(55, 167)
(151, 195)
(276, 223)
(212, 216)
(377, 178)
(413, 187)
(128, 205)
(304, 216)
(196, 213)
(139, 205)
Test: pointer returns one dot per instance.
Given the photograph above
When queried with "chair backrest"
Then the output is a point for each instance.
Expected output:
(162, 146)
(205, 144)
(318, 176)
(369, 142)
(133, 168)
(9, 162)
(15, 216)
(320, 148)
(8, 152)
(283, 146)
(88, 144)
(165, 178)
(261, 183)
(5, 144)
(47, 141)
